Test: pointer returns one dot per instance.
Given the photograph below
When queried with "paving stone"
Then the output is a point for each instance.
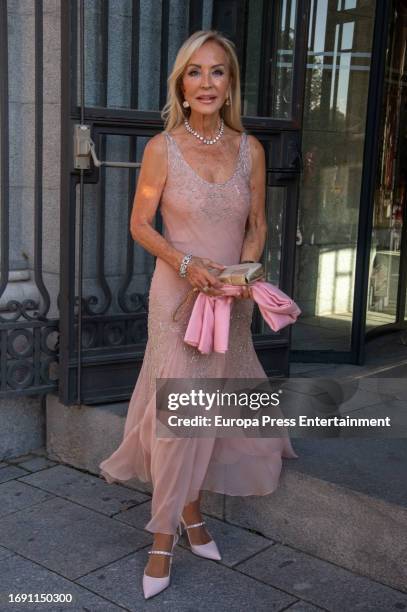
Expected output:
(303, 606)
(68, 538)
(89, 491)
(353, 530)
(389, 387)
(137, 516)
(196, 584)
(19, 575)
(213, 504)
(320, 582)
(394, 409)
(4, 552)
(235, 544)
(38, 463)
(16, 495)
(10, 472)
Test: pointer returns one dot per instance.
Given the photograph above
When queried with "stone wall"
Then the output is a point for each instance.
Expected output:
(22, 419)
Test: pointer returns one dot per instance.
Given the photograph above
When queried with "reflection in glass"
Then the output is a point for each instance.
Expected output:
(276, 198)
(126, 65)
(252, 72)
(337, 79)
(282, 77)
(123, 58)
(267, 77)
(391, 189)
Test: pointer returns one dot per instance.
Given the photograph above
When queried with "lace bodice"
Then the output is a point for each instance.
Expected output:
(207, 218)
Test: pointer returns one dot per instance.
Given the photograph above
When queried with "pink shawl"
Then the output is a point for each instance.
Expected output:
(208, 326)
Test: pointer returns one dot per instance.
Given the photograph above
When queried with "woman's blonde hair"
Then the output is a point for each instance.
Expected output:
(173, 112)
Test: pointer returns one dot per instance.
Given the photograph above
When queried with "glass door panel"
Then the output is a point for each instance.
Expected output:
(130, 48)
(336, 94)
(390, 200)
(276, 204)
(273, 69)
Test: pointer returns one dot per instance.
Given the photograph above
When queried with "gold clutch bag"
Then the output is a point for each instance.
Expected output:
(241, 274)
(238, 274)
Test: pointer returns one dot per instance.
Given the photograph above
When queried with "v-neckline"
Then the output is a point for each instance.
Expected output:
(237, 165)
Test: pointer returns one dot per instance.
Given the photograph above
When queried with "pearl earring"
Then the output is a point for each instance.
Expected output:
(185, 104)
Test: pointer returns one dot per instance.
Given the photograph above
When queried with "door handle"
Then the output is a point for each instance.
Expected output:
(84, 149)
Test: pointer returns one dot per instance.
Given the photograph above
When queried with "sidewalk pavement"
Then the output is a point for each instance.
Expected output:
(65, 531)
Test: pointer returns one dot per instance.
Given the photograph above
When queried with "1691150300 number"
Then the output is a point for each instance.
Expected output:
(40, 597)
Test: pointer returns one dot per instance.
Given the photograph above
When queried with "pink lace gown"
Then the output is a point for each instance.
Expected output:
(208, 220)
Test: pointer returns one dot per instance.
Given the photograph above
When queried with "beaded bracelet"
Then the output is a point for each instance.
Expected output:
(184, 263)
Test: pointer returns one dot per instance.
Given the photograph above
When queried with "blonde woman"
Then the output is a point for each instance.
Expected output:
(208, 176)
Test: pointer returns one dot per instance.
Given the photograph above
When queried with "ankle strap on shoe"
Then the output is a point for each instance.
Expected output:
(195, 525)
(160, 552)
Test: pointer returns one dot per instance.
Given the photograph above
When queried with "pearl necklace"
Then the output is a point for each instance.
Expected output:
(202, 138)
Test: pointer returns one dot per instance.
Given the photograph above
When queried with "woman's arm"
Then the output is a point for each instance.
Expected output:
(256, 225)
(150, 184)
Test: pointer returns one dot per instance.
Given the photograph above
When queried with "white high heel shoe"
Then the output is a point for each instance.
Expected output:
(152, 585)
(208, 550)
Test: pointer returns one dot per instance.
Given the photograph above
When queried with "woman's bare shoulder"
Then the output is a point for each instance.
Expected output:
(155, 151)
(154, 164)
(255, 143)
(157, 144)
(256, 149)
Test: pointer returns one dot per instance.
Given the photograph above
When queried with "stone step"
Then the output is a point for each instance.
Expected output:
(343, 500)
(336, 523)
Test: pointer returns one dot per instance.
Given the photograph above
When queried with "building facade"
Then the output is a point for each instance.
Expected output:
(323, 88)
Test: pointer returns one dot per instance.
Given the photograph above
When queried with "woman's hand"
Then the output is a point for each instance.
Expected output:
(199, 276)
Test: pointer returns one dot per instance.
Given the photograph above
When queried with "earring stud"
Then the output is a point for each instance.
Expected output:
(185, 104)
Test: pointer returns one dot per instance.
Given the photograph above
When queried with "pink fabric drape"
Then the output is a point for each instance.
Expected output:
(208, 326)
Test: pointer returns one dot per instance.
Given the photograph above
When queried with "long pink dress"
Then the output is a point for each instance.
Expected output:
(208, 220)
